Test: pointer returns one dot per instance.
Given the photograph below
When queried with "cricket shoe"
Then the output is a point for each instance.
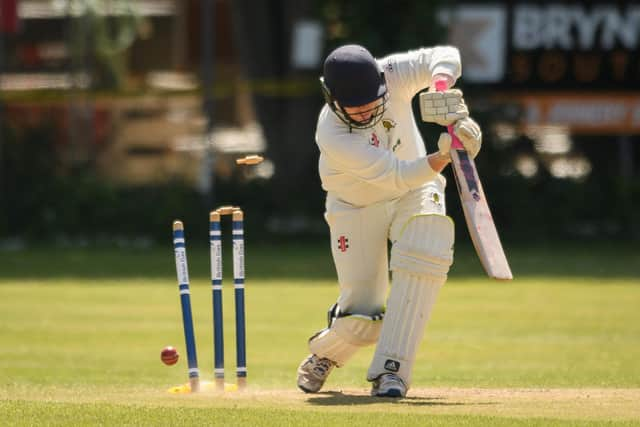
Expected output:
(388, 385)
(313, 372)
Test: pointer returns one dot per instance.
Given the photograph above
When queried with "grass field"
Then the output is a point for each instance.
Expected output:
(81, 332)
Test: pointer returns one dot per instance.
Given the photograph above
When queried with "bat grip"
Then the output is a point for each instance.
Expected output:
(441, 86)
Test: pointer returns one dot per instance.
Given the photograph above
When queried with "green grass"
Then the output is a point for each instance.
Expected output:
(81, 332)
(98, 414)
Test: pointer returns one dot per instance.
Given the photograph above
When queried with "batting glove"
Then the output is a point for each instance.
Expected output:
(469, 134)
(443, 108)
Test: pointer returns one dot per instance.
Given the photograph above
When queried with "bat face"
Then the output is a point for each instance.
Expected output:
(468, 171)
(476, 209)
(478, 217)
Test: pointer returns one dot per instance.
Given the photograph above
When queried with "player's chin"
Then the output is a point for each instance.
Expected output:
(366, 124)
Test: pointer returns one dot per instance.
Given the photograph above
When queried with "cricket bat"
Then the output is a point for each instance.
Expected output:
(476, 208)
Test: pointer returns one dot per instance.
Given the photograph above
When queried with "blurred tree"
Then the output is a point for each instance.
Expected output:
(286, 110)
(99, 40)
(383, 26)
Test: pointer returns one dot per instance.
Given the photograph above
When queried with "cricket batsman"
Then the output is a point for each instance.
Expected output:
(382, 186)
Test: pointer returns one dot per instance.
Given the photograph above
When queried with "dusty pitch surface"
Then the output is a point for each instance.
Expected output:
(584, 403)
(555, 403)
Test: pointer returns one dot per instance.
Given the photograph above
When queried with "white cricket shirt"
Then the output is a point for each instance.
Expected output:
(365, 166)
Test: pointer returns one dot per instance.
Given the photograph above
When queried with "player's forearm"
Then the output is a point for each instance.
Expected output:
(438, 162)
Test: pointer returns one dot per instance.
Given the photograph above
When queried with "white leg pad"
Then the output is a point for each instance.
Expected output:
(425, 246)
(420, 262)
(345, 336)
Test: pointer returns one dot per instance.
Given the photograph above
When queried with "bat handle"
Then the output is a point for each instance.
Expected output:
(441, 86)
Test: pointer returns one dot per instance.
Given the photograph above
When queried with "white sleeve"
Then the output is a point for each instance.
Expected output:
(408, 73)
(353, 154)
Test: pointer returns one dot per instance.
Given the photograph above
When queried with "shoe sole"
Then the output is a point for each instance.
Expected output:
(306, 390)
(393, 392)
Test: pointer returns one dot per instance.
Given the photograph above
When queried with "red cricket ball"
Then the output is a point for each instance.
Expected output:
(169, 355)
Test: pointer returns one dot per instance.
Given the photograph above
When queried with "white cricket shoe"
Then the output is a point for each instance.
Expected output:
(313, 372)
(388, 385)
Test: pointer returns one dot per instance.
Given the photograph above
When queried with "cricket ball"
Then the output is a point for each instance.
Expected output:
(169, 356)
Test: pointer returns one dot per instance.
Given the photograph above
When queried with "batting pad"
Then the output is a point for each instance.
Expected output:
(345, 336)
(420, 262)
(425, 246)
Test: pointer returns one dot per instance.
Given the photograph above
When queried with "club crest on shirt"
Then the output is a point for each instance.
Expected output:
(374, 140)
(436, 199)
(388, 124)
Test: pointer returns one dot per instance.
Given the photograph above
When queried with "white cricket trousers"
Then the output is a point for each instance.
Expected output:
(359, 243)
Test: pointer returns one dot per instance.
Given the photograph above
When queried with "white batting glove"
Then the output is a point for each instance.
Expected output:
(444, 145)
(469, 134)
(443, 108)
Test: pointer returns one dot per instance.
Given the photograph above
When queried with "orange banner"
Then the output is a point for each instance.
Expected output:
(607, 113)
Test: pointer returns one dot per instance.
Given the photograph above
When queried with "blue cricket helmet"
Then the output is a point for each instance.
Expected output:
(352, 78)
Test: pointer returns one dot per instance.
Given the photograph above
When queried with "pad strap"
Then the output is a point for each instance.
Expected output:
(346, 334)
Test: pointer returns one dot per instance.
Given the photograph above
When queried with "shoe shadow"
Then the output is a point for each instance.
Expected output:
(336, 398)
